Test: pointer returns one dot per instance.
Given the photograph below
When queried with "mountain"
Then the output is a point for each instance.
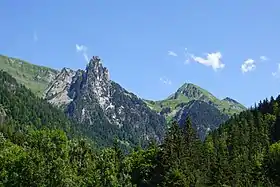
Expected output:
(188, 92)
(112, 109)
(103, 107)
(32, 76)
(206, 111)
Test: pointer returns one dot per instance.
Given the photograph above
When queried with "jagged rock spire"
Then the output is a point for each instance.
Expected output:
(95, 66)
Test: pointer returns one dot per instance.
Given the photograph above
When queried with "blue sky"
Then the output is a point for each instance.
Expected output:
(143, 42)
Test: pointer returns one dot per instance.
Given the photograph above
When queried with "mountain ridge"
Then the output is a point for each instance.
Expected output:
(34, 77)
(205, 110)
(66, 89)
(4, 59)
(190, 91)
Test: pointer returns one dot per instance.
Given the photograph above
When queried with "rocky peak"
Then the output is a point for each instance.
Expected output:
(98, 81)
(97, 70)
(67, 71)
(190, 91)
(57, 91)
(189, 86)
(92, 99)
(65, 74)
(234, 104)
(230, 100)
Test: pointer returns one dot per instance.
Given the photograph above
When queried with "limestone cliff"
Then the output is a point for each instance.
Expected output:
(103, 107)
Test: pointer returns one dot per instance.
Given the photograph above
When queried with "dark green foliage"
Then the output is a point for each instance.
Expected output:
(39, 146)
(23, 107)
(240, 154)
(272, 163)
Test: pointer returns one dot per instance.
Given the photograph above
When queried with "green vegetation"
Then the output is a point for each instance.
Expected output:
(39, 146)
(189, 92)
(32, 76)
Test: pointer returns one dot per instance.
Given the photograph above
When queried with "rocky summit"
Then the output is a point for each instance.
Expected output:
(103, 107)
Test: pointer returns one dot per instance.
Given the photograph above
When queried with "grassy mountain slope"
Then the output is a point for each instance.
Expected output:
(189, 92)
(32, 76)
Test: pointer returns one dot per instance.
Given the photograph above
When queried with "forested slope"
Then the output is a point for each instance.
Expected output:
(245, 151)
(25, 110)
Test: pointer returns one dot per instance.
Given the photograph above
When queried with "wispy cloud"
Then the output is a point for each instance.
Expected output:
(277, 73)
(248, 65)
(82, 49)
(35, 36)
(213, 60)
(187, 56)
(165, 80)
(264, 58)
(172, 53)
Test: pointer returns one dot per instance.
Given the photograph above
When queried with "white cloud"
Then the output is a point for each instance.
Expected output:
(172, 53)
(212, 59)
(277, 73)
(83, 50)
(80, 48)
(165, 80)
(35, 36)
(248, 65)
(263, 58)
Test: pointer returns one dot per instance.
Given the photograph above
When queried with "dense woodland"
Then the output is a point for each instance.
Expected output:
(39, 146)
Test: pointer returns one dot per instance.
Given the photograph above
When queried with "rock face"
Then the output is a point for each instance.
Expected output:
(57, 91)
(103, 107)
